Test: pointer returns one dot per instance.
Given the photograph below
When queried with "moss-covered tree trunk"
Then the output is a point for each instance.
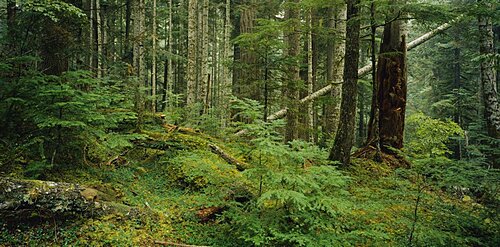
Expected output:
(23, 199)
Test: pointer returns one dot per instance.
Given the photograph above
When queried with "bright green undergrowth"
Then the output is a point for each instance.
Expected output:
(290, 196)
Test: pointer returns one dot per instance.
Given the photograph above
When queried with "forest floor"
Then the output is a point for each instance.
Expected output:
(182, 188)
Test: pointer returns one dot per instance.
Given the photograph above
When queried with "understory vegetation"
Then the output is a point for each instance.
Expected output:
(198, 123)
(289, 195)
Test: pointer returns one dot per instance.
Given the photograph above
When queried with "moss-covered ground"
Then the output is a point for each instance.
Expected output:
(182, 190)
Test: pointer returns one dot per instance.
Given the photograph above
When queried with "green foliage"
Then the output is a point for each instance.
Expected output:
(297, 207)
(427, 137)
(67, 119)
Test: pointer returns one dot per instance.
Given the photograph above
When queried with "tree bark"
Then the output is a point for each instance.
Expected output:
(205, 81)
(226, 86)
(192, 52)
(138, 11)
(153, 63)
(390, 90)
(310, 109)
(488, 75)
(335, 64)
(98, 38)
(344, 139)
(293, 75)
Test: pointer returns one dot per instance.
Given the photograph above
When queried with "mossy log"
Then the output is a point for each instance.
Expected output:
(22, 199)
(241, 166)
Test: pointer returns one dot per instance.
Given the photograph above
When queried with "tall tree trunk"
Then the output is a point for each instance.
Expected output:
(293, 77)
(153, 63)
(11, 21)
(91, 35)
(373, 138)
(334, 72)
(167, 87)
(138, 11)
(458, 88)
(204, 82)
(310, 110)
(98, 38)
(192, 53)
(391, 86)
(128, 17)
(344, 138)
(226, 72)
(488, 75)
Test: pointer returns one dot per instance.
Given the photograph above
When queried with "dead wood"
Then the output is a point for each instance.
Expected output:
(241, 166)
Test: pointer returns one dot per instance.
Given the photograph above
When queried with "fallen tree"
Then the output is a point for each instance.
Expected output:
(361, 72)
(241, 166)
(22, 199)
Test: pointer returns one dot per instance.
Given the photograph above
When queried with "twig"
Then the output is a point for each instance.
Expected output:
(415, 215)
(177, 244)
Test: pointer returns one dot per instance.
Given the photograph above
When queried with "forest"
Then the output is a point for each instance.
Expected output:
(198, 123)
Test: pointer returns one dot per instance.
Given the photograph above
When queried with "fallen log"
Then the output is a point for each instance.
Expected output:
(241, 166)
(361, 72)
(22, 199)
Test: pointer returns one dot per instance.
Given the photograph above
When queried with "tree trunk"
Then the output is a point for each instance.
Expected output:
(391, 82)
(334, 72)
(153, 63)
(138, 11)
(293, 76)
(169, 79)
(192, 53)
(488, 76)
(344, 138)
(11, 21)
(310, 110)
(226, 72)
(98, 38)
(246, 83)
(204, 82)
(128, 16)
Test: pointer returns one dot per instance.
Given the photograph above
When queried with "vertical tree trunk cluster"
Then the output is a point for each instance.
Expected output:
(344, 139)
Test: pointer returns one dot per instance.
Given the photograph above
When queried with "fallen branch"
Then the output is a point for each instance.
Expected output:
(361, 72)
(241, 166)
(180, 245)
